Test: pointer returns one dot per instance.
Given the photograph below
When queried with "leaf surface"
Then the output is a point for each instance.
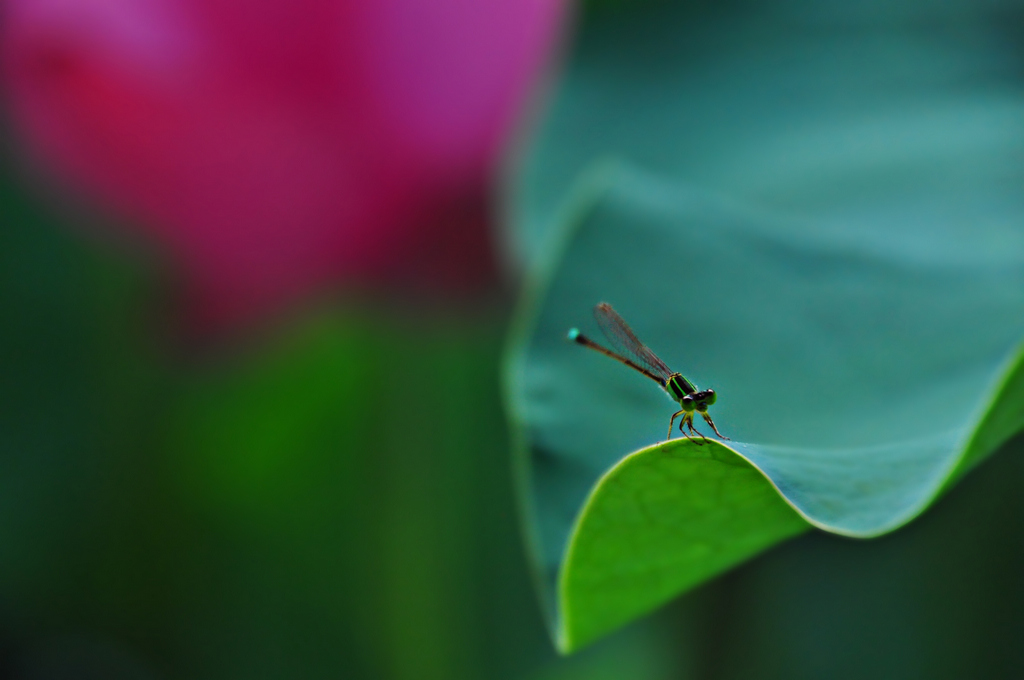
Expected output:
(813, 208)
(858, 376)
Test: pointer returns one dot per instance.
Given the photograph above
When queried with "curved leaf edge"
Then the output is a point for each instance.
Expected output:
(999, 418)
(996, 420)
(565, 639)
(585, 192)
(978, 445)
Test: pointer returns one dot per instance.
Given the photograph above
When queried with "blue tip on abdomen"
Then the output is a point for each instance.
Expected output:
(573, 333)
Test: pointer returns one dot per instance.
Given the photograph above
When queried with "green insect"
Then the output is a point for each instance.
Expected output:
(640, 358)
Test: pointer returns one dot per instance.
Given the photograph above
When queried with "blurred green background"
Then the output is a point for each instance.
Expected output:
(334, 499)
(329, 499)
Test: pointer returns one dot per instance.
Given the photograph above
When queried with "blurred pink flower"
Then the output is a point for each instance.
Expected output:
(274, 148)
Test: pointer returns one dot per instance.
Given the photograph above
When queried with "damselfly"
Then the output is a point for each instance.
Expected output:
(639, 357)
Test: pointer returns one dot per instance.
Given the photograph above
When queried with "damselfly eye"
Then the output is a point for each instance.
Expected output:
(688, 403)
(709, 397)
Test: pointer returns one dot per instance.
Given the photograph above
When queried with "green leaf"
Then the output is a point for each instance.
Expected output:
(858, 376)
(825, 230)
(662, 520)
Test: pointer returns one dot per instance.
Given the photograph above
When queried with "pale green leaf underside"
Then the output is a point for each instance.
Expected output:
(859, 373)
(663, 520)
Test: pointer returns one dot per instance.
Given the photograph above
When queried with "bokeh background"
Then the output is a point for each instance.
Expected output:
(256, 267)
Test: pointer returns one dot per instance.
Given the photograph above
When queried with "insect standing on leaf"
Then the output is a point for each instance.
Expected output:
(637, 356)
